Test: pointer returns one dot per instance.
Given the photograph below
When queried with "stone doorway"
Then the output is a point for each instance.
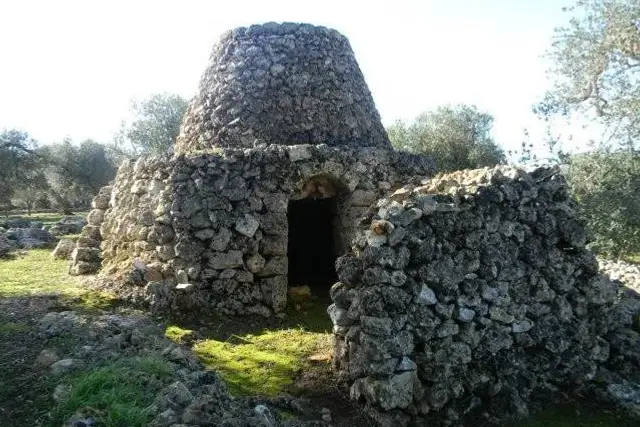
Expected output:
(312, 246)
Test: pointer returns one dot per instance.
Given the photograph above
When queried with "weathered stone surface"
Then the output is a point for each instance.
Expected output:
(489, 264)
(392, 393)
(247, 225)
(63, 366)
(91, 255)
(283, 114)
(63, 249)
(46, 358)
(282, 84)
(223, 260)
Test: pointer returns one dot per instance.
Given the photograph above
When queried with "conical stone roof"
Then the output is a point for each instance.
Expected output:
(282, 84)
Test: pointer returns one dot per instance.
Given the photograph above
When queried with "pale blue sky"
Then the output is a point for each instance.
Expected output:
(71, 67)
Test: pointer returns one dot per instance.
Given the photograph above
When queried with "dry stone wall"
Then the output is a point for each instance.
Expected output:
(85, 257)
(282, 84)
(211, 231)
(467, 297)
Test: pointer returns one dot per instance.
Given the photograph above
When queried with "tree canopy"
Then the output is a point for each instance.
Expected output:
(18, 162)
(456, 137)
(596, 67)
(156, 123)
(62, 175)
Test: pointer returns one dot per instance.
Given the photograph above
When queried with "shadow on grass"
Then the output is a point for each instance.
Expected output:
(578, 413)
(33, 284)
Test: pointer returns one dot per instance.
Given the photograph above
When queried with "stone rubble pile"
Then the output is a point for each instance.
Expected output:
(68, 225)
(30, 237)
(467, 297)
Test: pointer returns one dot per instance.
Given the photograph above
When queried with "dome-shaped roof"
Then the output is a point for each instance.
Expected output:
(282, 84)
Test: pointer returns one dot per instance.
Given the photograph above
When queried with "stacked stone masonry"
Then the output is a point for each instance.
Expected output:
(85, 257)
(466, 297)
(282, 84)
(211, 231)
(459, 297)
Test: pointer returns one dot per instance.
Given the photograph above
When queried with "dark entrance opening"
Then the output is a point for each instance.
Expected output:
(312, 248)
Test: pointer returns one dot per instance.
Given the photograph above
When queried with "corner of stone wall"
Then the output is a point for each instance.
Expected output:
(468, 295)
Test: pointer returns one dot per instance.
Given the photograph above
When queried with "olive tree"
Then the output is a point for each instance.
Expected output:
(456, 137)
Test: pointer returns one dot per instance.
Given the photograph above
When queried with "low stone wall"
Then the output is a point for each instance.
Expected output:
(464, 298)
(211, 230)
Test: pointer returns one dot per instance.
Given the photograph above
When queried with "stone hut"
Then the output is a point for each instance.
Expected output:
(458, 299)
(280, 153)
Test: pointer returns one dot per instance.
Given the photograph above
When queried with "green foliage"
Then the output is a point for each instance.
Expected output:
(46, 218)
(65, 176)
(596, 71)
(18, 163)
(156, 124)
(456, 137)
(607, 185)
(596, 67)
(118, 394)
(75, 173)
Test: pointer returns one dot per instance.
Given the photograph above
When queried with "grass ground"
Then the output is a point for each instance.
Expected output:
(47, 218)
(36, 273)
(264, 364)
(261, 358)
(578, 414)
(32, 284)
(118, 394)
(255, 356)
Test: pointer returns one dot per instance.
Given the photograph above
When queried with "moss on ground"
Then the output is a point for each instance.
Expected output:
(264, 361)
(632, 258)
(177, 334)
(265, 364)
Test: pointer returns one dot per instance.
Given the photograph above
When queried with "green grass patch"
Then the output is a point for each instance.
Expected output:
(8, 328)
(37, 273)
(117, 394)
(264, 364)
(633, 258)
(34, 273)
(577, 415)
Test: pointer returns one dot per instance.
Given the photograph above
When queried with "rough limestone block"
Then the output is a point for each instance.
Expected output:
(247, 225)
(224, 260)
